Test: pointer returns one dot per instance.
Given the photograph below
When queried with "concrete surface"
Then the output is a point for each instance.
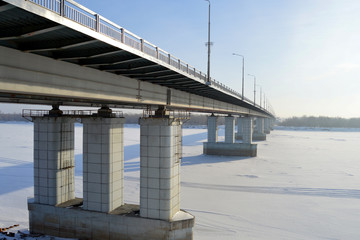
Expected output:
(122, 223)
(230, 149)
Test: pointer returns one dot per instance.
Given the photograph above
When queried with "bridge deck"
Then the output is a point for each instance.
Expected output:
(67, 31)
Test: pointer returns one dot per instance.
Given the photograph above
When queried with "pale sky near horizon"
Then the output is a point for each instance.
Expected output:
(304, 53)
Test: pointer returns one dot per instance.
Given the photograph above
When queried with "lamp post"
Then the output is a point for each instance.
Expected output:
(208, 45)
(254, 87)
(243, 60)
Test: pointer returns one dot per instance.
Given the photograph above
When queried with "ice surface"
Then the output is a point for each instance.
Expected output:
(302, 185)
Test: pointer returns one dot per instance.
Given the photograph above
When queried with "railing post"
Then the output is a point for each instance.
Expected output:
(169, 61)
(142, 45)
(157, 52)
(179, 64)
(62, 8)
(187, 68)
(97, 23)
(122, 35)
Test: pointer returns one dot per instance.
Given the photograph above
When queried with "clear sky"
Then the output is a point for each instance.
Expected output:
(304, 53)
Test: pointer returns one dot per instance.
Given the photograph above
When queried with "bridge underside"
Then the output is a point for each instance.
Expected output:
(47, 59)
(29, 78)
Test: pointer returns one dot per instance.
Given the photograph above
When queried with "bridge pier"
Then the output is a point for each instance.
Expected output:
(159, 168)
(53, 160)
(102, 214)
(259, 134)
(229, 129)
(103, 166)
(230, 147)
(160, 160)
(267, 127)
(239, 133)
(212, 128)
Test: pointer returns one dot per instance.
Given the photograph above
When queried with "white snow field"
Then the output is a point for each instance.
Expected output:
(303, 184)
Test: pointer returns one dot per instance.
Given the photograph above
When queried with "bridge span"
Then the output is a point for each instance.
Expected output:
(61, 52)
(58, 52)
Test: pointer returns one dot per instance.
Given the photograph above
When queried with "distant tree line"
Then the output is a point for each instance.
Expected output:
(6, 117)
(310, 121)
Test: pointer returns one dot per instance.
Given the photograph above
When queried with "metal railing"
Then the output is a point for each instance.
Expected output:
(31, 113)
(80, 14)
(178, 114)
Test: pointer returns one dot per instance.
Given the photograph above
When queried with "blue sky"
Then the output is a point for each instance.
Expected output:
(304, 53)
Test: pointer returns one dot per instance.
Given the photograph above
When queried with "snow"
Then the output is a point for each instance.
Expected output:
(302, 185)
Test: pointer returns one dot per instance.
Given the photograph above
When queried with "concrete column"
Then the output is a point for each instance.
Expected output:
(267, 125)
(247, 130)
(159, 167)
(229, 129)
(239, 133)
(53, 160)
(103, 169)
(212, 129)
(260, 125)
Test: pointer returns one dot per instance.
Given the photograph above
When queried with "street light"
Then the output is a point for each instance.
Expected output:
(208, 45)
(243, 60)
(254, 87)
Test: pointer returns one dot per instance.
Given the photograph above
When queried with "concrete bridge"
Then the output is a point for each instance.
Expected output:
(57, 52)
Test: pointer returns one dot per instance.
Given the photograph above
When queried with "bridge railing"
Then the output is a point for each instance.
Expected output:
(84, 16)
(31, 113)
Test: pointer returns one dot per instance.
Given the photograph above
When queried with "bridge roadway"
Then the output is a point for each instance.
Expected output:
(59, 52)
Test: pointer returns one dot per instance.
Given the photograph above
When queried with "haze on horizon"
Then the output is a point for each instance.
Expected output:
(304, 53)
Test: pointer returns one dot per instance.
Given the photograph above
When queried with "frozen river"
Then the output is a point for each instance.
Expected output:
(302, 185)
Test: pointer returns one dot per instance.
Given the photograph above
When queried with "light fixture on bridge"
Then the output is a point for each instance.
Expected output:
(243, 60)
(208, 44)
(254, 87)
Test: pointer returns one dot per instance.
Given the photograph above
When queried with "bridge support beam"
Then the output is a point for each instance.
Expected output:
(103, 167)
(160, 158)
(53, 160)
(239, 133)
(259, 134)
(159, 168)
(267, 127)
(229, 129)
(55, 210)
(229, 147)
(247, 130)
(212, 129)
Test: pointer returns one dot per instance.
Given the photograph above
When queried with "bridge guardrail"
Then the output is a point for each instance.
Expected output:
(32, 113)
(84, 16)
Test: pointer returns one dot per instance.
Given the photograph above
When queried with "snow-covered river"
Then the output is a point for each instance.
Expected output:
(304, 184)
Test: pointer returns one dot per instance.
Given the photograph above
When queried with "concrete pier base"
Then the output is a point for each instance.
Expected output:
(259, 137)
(230, 149)
(69, 220)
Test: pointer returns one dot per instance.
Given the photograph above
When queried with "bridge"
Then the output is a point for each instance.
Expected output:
(58, 52)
